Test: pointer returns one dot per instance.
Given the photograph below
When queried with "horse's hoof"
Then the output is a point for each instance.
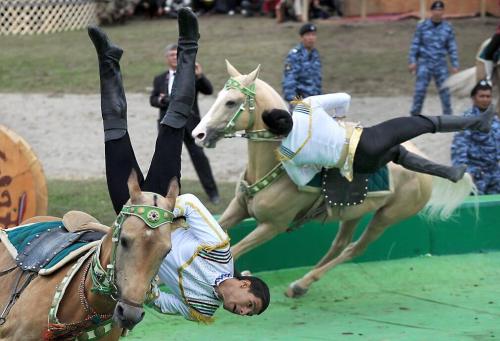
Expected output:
(295, 291)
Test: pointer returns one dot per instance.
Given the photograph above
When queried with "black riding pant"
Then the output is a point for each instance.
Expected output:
(380, 144)
(166, 163)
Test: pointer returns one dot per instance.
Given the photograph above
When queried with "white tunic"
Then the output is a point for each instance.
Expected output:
(316, 140)
(199, 261)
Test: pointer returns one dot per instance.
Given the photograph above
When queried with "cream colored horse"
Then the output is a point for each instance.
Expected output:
(139, 251)
(277, 205)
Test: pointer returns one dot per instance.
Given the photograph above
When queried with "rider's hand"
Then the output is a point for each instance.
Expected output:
(198, 71)
(412, 68)
(454, 70)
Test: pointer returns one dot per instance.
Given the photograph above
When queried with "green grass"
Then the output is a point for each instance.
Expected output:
(91, 196)
(358, 58)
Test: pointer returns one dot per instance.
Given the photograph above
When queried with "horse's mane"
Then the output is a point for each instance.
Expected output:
(267, 96)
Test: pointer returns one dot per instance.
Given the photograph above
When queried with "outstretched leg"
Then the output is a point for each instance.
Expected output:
(166, 162)
(120, 158)
(379, 144)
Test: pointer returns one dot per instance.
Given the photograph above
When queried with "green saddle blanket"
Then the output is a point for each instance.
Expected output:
(377, 182)
(45, 247)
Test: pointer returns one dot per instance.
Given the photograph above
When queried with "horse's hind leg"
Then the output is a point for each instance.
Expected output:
(375, 228)
(342, 239)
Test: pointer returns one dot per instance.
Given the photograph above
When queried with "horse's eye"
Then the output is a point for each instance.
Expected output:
(230, 104)
(124, 242)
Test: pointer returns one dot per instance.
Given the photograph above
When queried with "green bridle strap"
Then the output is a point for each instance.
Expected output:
(249, 93)
(266, 180)
(103, 280)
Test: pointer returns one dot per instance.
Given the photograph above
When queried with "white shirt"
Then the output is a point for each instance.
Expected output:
(199, 261)
(316, 140)
(171, 76)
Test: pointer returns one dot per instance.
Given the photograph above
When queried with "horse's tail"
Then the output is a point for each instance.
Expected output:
(462, 82)
(447, 196)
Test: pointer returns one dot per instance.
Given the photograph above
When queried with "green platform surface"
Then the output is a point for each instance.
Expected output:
(465, 232)
(422, 298)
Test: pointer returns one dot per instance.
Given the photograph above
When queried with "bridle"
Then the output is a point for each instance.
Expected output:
(104, 280)
(249, 105)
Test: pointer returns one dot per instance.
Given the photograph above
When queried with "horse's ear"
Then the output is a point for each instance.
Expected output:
(173, 188)
(232, 70)
(251, 77)
(134, 189)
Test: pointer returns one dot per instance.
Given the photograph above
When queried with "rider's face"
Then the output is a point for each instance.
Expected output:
(241, 301)
(482, 99)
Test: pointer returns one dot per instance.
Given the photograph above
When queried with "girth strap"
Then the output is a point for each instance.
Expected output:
(16, 292)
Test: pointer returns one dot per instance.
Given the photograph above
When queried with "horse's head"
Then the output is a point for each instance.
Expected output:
(139, 246)
(233, 110)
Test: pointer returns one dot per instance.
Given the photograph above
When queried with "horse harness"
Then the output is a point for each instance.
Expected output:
(94, 325)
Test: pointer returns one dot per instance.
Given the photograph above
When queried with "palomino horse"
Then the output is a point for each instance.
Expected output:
(108, 290)
(462, 82)
(275, 201)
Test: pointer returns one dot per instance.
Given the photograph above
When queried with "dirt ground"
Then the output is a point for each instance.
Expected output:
(65, 131)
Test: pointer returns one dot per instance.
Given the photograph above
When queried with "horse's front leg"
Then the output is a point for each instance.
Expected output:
(233, 214)
(261, 234)
(342, 239)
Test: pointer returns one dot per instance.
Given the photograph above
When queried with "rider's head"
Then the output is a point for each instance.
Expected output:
(278, 121)
(245, 295)
(481, 94)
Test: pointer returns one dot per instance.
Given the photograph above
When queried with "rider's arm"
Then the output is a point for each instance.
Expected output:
(171, 305)
(335, 105)
(199, 220)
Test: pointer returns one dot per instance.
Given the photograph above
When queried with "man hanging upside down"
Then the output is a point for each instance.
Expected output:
(334, 144)
(199, 269)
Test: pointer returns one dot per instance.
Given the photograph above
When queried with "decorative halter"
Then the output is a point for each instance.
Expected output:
(103, 281)
(253, 135)
(96, 326)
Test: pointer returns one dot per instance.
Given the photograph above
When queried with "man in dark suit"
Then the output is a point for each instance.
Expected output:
(160, 98)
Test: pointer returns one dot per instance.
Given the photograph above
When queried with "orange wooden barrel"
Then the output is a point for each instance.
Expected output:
(23, 190)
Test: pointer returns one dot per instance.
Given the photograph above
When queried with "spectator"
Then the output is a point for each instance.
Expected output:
(480, 151)
(302, 74)
(433, 39)
(335, 6)
(160, 98)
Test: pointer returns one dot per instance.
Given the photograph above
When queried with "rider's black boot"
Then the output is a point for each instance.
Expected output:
(183, 89)
(448, 123)
(113, 102)
(420, 164)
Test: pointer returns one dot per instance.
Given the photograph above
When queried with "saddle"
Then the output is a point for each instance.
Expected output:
(44, 246)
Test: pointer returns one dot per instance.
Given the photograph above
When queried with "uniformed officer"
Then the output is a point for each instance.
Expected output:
(433, 40)
(480, 151)
(302, 75)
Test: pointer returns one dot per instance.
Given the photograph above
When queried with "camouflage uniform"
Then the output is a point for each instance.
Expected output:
(302, 75)
(428, 50)
(481, 153)
(109, 11)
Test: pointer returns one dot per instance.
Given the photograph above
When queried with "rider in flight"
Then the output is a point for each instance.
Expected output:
(315, 140)
(199, 269)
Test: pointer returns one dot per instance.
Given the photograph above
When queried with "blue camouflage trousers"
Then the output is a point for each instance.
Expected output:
(487, 181)
(424, 74)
